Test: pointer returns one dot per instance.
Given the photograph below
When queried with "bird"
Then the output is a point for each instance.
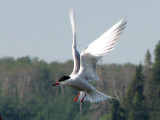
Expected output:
(85, 63)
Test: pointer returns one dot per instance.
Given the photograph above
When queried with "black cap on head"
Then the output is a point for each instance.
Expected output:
(63, 78)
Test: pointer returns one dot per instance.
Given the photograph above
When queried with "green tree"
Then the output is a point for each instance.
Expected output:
(117, 112)
(133, 101)
(153, 95)
(147, 62)
(147, 71)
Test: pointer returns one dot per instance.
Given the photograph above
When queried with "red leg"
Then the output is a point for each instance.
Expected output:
(75, 100)
(83, 98)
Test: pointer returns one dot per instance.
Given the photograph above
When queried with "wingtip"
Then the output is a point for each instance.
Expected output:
(123, 20)
(71, 12)
(72, 20)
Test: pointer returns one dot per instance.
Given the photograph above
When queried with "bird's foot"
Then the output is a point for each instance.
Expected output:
(83, 98)
(75, 100)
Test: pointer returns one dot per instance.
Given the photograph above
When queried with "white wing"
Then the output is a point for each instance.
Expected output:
(75, 53)
(97, 49)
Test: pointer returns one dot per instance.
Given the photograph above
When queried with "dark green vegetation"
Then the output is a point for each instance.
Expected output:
(26, 91)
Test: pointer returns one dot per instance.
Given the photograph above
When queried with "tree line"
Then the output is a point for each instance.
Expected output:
(26, 91)
(141, 101)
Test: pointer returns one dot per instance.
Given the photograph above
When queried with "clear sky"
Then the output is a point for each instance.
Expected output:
(41, 28)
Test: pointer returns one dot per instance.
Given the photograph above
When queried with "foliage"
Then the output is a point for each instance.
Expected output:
(26, 91)
(153, 86)
(117, 111)
(26, 88)
(134, 97)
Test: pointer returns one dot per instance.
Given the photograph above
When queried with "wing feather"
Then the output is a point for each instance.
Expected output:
(75, 53)
(97, 49)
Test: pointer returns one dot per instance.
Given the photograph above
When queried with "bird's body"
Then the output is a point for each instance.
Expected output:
(85, 63)
(79, 83)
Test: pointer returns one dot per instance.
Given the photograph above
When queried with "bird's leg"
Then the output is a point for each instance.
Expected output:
(83, 98)
(75, 100)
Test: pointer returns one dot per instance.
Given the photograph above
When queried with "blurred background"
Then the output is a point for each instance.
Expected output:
(35, 50)
(42, 29)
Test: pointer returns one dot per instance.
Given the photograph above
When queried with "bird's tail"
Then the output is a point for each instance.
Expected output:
(93, 96)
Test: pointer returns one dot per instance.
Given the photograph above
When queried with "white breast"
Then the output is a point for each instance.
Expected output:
(79, 83)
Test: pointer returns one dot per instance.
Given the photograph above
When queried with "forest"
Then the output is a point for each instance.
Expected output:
(26, 91)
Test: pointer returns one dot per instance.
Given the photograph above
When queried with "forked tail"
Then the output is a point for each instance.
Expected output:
(93, 96)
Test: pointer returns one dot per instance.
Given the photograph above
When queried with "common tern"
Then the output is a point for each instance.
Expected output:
(85, 63)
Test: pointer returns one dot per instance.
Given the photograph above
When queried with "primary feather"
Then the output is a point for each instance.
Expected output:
(97, 49)
(76, 56)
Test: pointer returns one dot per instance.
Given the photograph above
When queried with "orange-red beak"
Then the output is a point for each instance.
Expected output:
(55, 84)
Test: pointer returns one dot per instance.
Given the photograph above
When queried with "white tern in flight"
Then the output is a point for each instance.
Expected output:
(85, 63)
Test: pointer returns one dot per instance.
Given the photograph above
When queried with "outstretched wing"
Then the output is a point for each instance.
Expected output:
(75, 53)
(97, 49)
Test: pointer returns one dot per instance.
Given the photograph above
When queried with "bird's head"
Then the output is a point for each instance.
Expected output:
(61, 80)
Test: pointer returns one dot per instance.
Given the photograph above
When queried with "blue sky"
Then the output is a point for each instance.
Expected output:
(41, 28)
